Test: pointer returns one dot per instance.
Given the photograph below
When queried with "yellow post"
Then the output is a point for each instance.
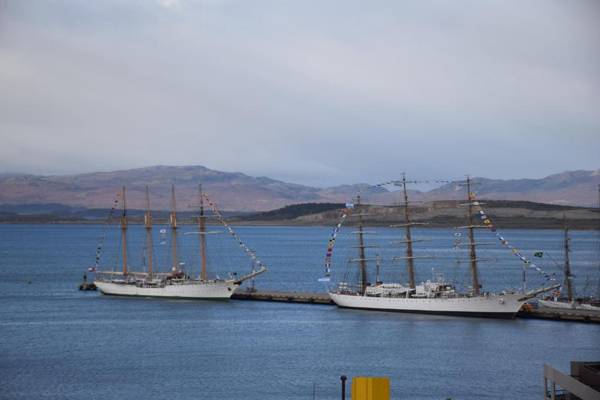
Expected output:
(370, 388)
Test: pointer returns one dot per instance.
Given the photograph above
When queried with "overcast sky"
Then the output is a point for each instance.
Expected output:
(314, 92)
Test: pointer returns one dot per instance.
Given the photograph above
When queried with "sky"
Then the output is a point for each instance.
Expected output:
(313, 92)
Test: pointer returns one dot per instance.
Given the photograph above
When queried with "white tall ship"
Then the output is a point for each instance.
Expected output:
(176, 283)
(435, 296)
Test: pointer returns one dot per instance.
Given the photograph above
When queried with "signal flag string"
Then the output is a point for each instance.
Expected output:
(219, 216)
(103, 236)
(488, 223)
(331, 243)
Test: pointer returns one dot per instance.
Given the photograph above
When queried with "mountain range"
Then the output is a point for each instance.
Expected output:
(240, 192)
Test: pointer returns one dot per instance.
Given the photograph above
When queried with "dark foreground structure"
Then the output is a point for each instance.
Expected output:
(583, 383)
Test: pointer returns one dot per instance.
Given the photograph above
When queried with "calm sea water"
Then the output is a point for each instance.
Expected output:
(59, 343)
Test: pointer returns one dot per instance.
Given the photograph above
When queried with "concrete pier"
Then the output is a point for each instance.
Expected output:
(323, 298)
(286, 297)
(561, 315)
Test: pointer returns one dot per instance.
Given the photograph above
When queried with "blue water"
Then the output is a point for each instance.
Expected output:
(59, 343)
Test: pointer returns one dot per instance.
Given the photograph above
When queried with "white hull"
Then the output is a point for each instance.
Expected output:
(503, 306)
(563, 305)
(556, 304)
(588, 307)
(186, 290)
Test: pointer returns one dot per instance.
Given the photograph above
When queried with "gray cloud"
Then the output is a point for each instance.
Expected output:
(313, 92)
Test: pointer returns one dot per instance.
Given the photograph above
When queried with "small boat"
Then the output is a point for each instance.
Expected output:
(87, 286)
(176, 283)
(564, 304)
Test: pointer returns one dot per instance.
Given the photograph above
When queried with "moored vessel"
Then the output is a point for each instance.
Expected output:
(435, 296)
(568, 300)
(176, 283)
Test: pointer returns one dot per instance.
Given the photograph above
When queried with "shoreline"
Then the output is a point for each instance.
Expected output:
(581, 225)
(505, 214)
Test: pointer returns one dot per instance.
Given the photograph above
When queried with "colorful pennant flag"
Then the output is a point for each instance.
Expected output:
(488, 223)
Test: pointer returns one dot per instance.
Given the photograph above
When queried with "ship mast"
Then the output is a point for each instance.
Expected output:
(202, 226)
(361, 250)
(148, 225)
(173, 221)
(124, 232)
(471, 230)
(567, 268)
(409, 249)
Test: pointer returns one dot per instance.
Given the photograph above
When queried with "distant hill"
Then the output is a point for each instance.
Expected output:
(233, 191)
(239, 192)
(567, 188)
(448, 213)
(294, 211)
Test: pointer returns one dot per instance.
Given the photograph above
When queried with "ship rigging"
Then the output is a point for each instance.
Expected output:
(437, 295)
(176, 283)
